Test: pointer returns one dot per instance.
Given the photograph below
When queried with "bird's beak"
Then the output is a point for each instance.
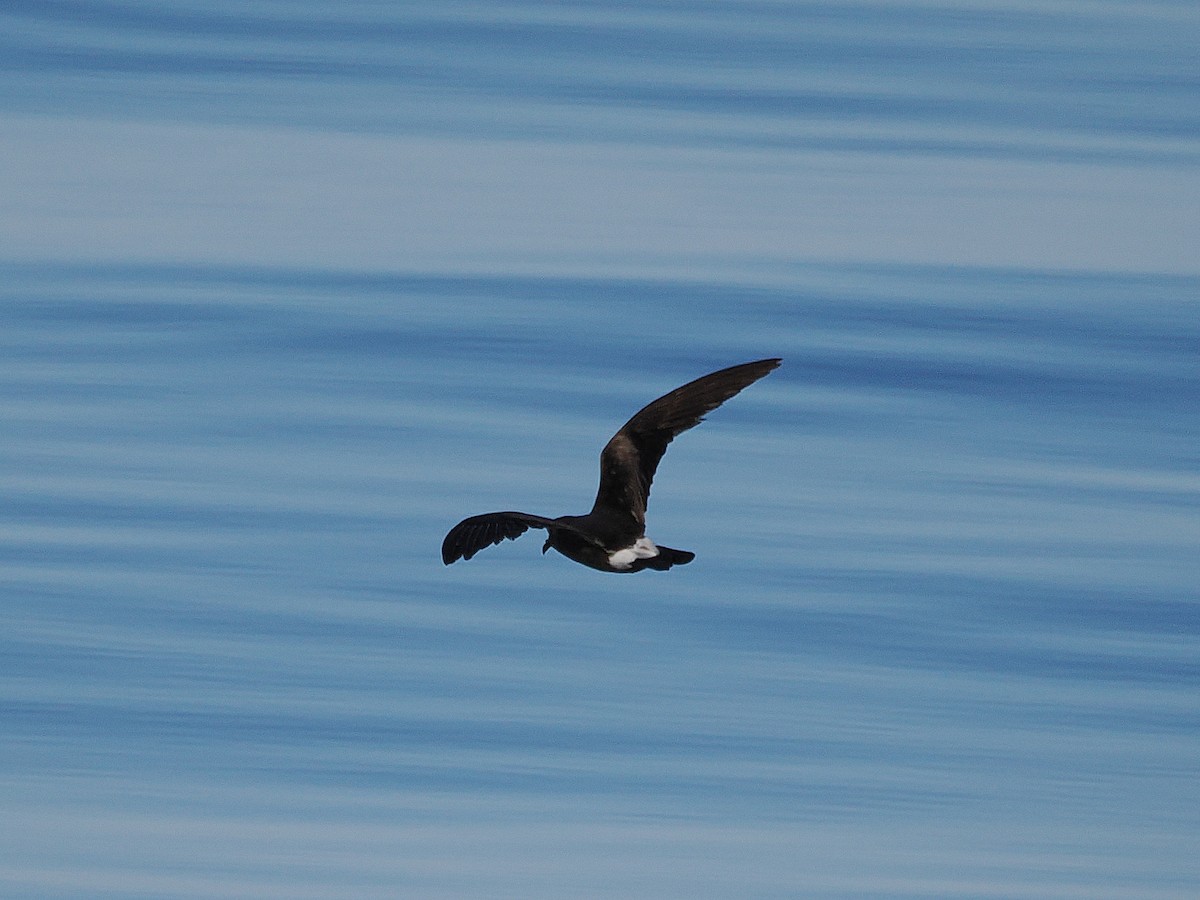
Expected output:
(545, 546)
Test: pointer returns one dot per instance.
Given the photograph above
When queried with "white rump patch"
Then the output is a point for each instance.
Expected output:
(643, 548)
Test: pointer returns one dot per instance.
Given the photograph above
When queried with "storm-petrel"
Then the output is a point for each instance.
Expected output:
(612, 537)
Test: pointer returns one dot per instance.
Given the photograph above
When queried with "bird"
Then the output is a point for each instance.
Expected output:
(612, 537)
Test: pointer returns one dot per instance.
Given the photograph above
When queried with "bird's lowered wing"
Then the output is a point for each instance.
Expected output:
(629, 461)
(471, 535)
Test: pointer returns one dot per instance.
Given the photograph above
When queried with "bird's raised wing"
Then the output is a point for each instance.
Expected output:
(629, 461)
(471, 535)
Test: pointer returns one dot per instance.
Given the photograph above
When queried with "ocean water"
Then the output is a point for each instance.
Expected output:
(287, 289)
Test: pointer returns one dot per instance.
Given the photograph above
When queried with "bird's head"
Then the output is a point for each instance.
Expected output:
(546, 546)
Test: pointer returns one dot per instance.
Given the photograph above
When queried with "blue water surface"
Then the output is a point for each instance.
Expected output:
(287, 289)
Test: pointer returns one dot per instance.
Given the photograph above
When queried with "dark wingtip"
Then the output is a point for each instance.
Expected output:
(453, 547)
(767, 365)
(454, 550)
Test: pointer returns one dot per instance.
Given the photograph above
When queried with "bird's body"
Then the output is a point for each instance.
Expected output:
(612, 537)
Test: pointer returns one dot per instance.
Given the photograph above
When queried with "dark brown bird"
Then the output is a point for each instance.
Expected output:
(612, 537)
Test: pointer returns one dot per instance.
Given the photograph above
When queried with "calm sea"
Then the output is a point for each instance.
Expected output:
(289, 288)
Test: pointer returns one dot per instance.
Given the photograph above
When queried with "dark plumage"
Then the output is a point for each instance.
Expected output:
(612, 537)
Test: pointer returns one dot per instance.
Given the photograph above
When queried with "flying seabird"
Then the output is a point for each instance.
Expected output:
(612, 537)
